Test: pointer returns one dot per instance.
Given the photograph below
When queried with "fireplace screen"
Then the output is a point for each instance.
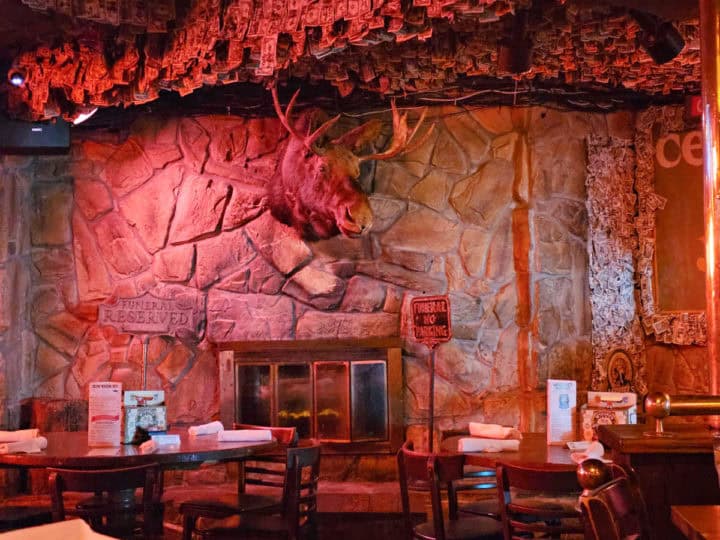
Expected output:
(334, 401)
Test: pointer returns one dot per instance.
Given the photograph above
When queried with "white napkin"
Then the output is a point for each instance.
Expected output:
(245, 435)
(206, 429)
(18, 435)
(168, 439)
(493, 431)
(477, 444)
(595, 450)
(77, 529)
(29, 446)
(148, 447)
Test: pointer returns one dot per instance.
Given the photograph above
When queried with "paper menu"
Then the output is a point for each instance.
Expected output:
(104, 414)
(561, 410)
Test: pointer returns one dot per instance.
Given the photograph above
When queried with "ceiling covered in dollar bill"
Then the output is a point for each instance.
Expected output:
(65, 57)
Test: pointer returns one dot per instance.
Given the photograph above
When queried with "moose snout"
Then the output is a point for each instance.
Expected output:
(356, 220)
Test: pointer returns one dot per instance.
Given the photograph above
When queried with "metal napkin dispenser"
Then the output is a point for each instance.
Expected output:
(145, 409)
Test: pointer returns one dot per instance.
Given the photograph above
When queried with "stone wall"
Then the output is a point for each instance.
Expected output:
(490, 210)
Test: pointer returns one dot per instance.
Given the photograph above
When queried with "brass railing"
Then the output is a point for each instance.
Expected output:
(660, 405)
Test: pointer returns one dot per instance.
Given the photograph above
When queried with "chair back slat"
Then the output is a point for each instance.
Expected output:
(538, 479)
(444, 470)
(299, 505)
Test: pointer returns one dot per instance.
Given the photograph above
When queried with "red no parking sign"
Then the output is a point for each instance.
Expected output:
(431, 319)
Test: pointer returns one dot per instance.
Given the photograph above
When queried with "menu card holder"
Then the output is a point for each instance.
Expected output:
(104, 414)
(561, 411)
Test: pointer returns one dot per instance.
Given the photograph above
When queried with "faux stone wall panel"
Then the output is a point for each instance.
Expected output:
(220, 256)
(258, 276)
(92, 197)
(482, 197)
(150, 207)
(119, 245)
(318, 325)
(51, 214)
(425, 231)
(278, 244)
(92, 275)
(194, 142)
(5, 315)
(246, 203)
(6, 183)
(174, 263)
(200, 207)
(316, 287)
(127, 168)
(247, 317)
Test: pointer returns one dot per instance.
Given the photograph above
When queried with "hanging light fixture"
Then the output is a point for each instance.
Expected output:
(83, 114)
(660, 39)
(515, 51)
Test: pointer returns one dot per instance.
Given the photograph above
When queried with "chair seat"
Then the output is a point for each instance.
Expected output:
(548, 501)
(213, 514)
(17, 517)
(485, 507)
(241, 503)
(473, 528)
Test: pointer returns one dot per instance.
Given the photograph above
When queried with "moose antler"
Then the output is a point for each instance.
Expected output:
(308, 140)
(401, 140)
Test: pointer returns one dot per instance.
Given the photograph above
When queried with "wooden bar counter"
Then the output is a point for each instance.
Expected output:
(674, 470)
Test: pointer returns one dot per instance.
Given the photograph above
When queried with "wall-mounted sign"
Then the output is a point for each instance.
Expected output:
(679, 224)
(431, 319)
(619, 371)
(148, 314)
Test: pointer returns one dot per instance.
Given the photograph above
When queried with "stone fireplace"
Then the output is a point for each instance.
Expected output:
(347, 394)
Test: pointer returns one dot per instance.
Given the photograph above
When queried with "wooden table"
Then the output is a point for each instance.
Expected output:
(533, 450)
(673, 470)
(70, 450)
(697, 522)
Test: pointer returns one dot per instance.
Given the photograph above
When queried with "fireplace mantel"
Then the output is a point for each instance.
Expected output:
(312, 352)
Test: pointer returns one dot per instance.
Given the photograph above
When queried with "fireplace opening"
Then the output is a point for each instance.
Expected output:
(332, 401)
(343, 393)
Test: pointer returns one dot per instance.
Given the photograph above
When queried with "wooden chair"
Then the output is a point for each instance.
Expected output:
(535, 500)
(476, 480)
(438, 474)
(114, 514)
(616, 509)
(265, 471)
(413, 476)
(294, 517)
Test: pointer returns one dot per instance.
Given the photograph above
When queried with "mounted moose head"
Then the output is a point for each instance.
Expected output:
(315, 189)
